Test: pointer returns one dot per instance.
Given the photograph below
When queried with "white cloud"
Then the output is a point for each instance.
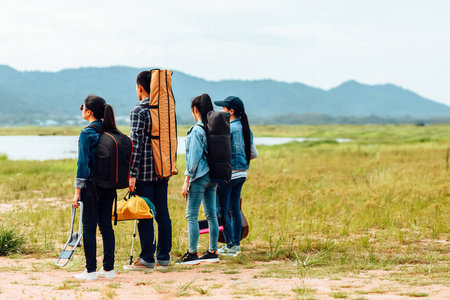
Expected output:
(320, 43)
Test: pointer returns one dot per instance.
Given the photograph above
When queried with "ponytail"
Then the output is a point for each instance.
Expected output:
(101, 110)
(204, 105)
(109, 121)
(246, 131)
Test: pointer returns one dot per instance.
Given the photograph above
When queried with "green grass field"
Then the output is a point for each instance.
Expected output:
(322, 208)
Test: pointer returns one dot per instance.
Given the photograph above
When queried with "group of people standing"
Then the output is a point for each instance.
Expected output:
(198, 187)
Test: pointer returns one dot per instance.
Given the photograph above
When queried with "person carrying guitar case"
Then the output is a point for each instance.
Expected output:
(203, 168)
(243, 150)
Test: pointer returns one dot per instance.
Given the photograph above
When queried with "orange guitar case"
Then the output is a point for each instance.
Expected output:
(164, 123)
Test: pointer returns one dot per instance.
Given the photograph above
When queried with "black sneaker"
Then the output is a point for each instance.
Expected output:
(209, 257)
(189, 259)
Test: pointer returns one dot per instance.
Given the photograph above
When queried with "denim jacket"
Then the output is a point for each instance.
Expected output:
(87, 153)
(196, 147)
(238, 158)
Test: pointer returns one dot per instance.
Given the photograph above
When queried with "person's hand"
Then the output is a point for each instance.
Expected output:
(132, 184)
(184, 189)
(76, 198)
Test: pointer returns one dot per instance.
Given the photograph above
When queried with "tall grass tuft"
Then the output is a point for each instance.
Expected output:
(10, 241)
(446, 158)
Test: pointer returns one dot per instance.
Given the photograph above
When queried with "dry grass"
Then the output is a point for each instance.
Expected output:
(381, 202)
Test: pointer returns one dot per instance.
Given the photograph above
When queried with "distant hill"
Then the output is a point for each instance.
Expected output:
(26, 96)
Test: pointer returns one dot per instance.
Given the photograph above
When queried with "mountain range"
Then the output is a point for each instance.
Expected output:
(30, 95)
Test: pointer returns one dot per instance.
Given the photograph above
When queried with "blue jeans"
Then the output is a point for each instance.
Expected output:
(98, 212)
(202, 190)
(157, 193)
(231, 195)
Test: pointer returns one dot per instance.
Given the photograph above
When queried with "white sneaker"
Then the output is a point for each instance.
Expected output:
(233, 251)
(223, 250)
(86, 276)
(107, 274)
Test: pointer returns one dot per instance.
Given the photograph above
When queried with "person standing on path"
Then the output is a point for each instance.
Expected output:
(144, 182)
(242, 151)
(97, 201)
(198, 188)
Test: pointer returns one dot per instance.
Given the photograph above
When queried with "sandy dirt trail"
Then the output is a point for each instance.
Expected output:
(22, 279)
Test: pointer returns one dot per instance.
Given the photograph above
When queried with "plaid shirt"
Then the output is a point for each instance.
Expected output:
(142, 166)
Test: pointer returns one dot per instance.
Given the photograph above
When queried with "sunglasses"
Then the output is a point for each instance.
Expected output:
(82, 106)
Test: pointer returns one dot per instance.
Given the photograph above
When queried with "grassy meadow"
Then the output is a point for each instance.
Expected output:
(319, 209)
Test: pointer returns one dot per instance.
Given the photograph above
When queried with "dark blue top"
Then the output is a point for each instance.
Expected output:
(87, 154)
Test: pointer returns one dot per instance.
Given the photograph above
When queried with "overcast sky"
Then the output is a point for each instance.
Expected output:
(321, 43)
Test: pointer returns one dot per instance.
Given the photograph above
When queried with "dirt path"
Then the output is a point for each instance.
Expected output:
(38, 279)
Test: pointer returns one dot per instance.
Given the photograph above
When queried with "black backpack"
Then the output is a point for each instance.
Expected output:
(113, 159)
(219, 145)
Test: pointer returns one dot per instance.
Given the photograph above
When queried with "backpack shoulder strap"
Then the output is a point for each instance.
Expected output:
(150, 106)
(203, 127)
(101, 131)
(146, 133)
(98, 129)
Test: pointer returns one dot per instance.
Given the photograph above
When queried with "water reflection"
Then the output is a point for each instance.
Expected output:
(66, 147)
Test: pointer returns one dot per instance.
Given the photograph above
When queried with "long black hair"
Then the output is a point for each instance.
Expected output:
(204, 105)
(246, 131)
(101, 110)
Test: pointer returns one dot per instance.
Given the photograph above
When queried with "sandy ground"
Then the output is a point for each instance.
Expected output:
(37, 279)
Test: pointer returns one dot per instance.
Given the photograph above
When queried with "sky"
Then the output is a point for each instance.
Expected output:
(321, 43)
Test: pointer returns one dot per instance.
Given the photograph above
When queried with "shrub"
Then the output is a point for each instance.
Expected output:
(10, 241)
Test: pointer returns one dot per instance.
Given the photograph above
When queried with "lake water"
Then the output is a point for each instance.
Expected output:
(33, 147)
